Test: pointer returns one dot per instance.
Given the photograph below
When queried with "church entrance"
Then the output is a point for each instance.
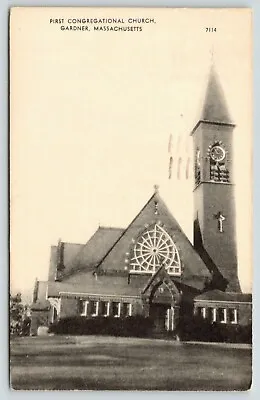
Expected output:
(162, 317)
(161, 300)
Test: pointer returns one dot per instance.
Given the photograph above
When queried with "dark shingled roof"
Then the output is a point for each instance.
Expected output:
(215, 108)
(86, 282)
(217, 295)
(79, 257)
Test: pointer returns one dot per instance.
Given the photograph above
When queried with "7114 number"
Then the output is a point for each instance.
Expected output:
(211, 29)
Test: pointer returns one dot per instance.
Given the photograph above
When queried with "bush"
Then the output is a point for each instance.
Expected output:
(19, 320)
(199, 329)
(137, 326)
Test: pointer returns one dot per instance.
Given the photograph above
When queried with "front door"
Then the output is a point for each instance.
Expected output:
(160, 315)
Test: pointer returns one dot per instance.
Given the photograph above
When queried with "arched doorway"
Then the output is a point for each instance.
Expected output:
(162, 308)
(161, 300)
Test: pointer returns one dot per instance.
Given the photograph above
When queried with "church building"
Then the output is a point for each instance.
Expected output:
(151, 268)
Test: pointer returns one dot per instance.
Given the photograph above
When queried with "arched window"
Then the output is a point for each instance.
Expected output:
(170, 167)
(153, 249)
(197, 172)
(188, 168)
(179, 168)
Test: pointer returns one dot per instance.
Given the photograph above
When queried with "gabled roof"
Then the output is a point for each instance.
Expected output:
(86, 282)
(84, 256)
(194, 270)
(218, 295)
(163, 275)
(215, 108)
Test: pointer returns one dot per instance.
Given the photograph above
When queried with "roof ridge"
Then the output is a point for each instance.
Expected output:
(126, 229)
(111, 227)
(152, 278)
(79, 244)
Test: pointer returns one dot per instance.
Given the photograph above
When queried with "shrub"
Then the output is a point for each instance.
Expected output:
(19, 320)
(199, 329)
(138, 326)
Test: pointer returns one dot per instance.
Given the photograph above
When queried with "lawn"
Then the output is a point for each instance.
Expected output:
(110, 363)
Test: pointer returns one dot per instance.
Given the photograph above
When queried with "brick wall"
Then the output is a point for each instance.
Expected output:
(69, 307)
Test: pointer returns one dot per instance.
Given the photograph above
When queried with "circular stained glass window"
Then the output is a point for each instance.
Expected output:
(152, 250)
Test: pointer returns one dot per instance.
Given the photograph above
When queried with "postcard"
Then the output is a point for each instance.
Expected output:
(131, 199)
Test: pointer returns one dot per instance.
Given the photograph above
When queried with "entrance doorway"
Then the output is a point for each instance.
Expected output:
(54, 314)
(160, 313)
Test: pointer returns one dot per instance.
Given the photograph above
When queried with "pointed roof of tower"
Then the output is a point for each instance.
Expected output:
(214, 108)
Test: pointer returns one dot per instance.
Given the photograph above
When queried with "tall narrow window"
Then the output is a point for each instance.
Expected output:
(197, 167)
(179, 168)
(201, 311)
(126, 310)
(170, 167)
(116, 309)
(222, 315)
(212, 314)
(93, 308)
(232, 315)
(104, 308)
(83, 307)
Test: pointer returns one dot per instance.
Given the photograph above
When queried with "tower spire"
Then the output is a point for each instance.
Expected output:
(214, 189)
(215, 108)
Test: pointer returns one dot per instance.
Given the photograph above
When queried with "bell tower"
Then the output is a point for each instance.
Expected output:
(214, 203)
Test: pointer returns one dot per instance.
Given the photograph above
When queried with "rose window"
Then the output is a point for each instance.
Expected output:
(154, 249)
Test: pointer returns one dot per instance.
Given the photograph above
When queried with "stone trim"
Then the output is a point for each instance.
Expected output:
(97, 295)
(222, 301)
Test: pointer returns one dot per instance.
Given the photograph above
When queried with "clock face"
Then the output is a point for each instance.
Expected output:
(217, 153)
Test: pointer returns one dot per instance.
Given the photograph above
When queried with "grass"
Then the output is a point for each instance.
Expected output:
(110, 363)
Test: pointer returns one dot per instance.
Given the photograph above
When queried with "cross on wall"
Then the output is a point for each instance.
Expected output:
(220, 218)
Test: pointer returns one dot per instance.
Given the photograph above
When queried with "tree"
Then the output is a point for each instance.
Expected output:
(19, 319)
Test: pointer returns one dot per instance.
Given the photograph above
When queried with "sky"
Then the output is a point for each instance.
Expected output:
(91, 115)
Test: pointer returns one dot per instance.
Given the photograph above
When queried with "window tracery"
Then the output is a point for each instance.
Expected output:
(152, 250)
